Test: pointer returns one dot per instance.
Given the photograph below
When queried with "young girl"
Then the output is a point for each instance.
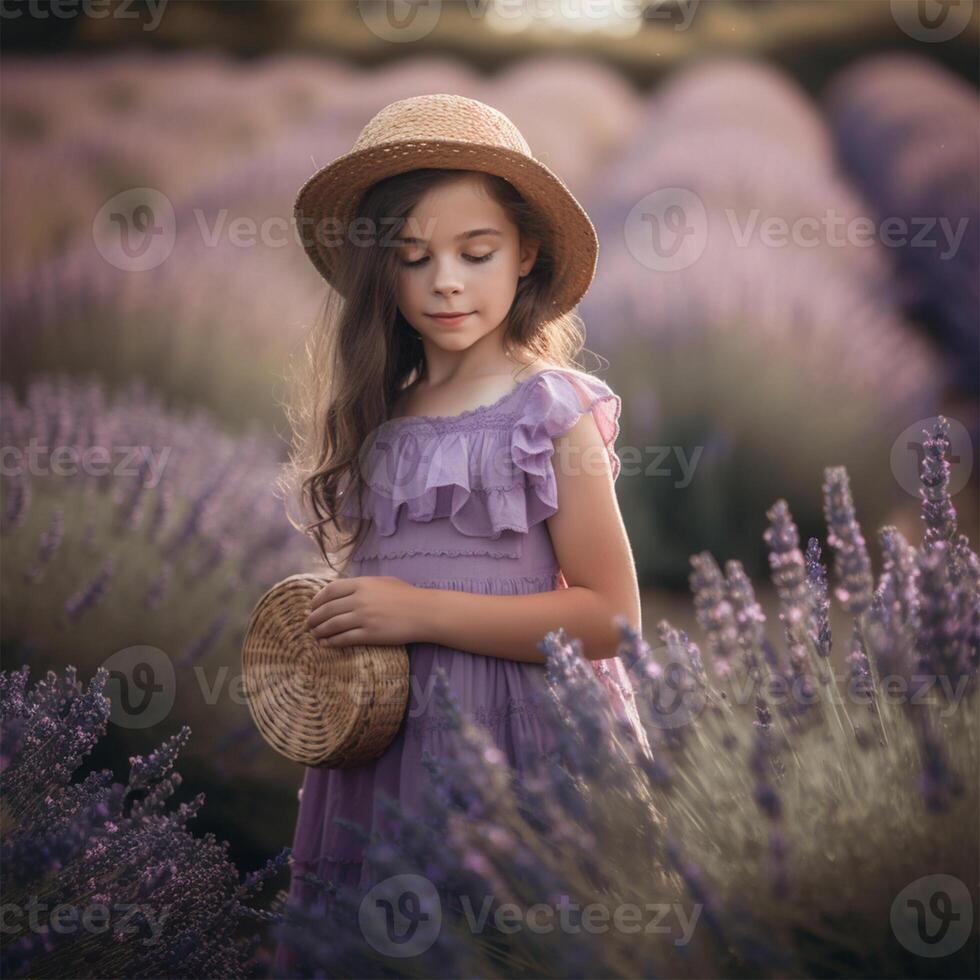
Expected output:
(443, 385)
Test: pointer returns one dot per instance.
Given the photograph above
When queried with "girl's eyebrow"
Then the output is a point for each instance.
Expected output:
(466, 234)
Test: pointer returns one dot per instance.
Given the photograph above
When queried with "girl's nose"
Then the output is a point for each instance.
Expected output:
(446, 278)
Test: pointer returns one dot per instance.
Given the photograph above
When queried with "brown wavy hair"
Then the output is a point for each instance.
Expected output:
(361, 352)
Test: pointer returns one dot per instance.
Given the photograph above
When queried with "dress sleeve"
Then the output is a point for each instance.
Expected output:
(554, 402)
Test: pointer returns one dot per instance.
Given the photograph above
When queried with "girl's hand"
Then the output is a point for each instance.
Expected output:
(376, 610)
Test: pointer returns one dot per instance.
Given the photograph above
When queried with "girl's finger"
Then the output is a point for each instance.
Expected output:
(348, 638)
(334, 625)
(326, 611)
(336, 589)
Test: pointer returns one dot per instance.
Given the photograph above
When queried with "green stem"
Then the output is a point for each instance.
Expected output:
(875, 678)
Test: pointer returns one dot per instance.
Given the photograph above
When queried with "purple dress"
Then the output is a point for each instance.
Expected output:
(457, 502)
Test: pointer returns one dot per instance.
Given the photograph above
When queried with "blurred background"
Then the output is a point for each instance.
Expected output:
(786, 197)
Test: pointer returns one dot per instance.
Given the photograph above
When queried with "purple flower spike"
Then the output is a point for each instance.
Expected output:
(787, 566)
(851, 562)
(819, 621)
(714, 612)
(938, 511)
(89, 596)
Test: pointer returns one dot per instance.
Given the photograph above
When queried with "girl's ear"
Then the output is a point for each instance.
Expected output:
(529, 254)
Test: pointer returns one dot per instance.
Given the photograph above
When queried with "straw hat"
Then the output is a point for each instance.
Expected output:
(457, 133)
(332, 707)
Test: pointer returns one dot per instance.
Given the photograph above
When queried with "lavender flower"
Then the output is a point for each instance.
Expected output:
(944, 624)
(89, 596)
(897, 590)
(50, 540)
(714, 612)
(132, 505)
(206, 641)
(938, 512)
(156, 593)
(174, 902)
(818, 624)
(787, 566)
(796, 602)
(851, 562)
(697, 886)
(860, 682)
(669, 694)
(16, 500)
(749, 619)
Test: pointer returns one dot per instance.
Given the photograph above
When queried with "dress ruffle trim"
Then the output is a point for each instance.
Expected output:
(489, 470)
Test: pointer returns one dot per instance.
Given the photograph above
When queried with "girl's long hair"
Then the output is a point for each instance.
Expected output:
(361, 351)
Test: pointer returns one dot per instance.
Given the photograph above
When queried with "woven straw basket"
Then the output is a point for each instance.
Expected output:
(333, 707)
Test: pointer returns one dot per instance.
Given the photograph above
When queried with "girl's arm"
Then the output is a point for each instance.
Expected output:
(595, 557)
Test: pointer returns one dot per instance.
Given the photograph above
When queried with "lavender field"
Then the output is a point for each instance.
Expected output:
(780, 393)
(835, 799)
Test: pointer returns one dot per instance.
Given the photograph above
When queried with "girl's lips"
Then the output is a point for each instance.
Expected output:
(455, 318)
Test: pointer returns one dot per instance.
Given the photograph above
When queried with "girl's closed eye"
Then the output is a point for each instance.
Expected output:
(475, 259)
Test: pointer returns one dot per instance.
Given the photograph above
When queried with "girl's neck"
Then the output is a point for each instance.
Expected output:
(511, 366)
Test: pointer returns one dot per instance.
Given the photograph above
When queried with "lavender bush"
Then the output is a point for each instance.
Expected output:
(77, 131)
(100, 878)
(743, 336)
(907, 130)
(172, 324)
(798, 806)
(160, 546)
(213, 322)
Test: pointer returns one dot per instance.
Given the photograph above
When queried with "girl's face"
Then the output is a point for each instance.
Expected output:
(459, 253)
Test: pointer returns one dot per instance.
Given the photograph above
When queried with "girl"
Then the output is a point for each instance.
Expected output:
(455, 258)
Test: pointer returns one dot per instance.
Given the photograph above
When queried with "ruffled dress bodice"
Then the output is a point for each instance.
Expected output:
(466, 497)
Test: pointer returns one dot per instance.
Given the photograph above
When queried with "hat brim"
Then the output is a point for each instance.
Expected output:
(328, 202)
